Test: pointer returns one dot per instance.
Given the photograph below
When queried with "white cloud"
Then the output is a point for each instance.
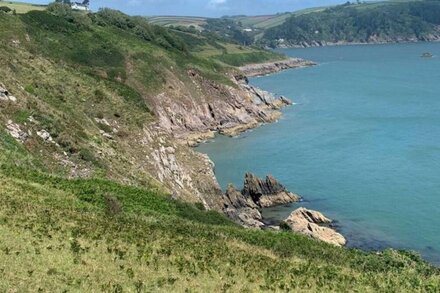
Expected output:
(216, 4)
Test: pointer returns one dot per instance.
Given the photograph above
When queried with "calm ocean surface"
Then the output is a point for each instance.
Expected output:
(362, 143)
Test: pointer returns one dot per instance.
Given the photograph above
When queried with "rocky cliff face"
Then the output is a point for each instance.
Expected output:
(194, 115)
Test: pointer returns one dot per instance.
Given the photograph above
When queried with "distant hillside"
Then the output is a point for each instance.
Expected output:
(22, 7)
(185, 21)
(363, 22)
(394, 21)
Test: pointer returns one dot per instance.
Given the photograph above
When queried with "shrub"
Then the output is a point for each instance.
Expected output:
(113, 205)
(87, 155)
(5, 9)
(284, 226)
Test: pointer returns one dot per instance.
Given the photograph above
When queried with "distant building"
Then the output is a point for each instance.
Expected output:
(248, 30)
(83, 6)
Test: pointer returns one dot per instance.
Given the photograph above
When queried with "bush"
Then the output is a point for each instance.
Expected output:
(87, 155)
(113, 205)
(5, 9)
(284, 226)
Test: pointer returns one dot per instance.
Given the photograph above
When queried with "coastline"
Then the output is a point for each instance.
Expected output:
(261, 69)
(316, 44)
(241, 107)
(242, 208)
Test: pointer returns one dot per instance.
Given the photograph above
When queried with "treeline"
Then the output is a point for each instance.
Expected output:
(360, 23)
(135, 25)
(229, 29)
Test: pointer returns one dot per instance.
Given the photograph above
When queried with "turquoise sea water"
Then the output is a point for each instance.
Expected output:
(362, 143)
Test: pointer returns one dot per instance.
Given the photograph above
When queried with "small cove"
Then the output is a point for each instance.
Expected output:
(362, 143)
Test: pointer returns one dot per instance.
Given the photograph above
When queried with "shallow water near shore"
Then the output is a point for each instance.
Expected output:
(361, 145)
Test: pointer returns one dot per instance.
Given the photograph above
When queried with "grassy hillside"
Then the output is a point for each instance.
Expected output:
(96, 235)
(22, 7)
(185, 21)
(82, 212)
(391, 21)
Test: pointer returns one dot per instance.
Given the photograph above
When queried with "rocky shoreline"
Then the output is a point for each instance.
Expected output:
(253, 70)
(244, 207)
(373, 41)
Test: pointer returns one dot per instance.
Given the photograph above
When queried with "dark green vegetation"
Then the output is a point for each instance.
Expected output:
(369, 22)
(361, 23)
(72, 72)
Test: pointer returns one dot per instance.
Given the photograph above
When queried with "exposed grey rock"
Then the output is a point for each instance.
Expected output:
(268, 192)
(243, 207)
(16, 132)
(45, 135)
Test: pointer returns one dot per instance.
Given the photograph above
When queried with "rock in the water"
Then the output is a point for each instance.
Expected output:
(267, 193)
(308, 222)
(243, 207)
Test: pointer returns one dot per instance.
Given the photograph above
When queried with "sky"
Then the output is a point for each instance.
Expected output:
(211, 8)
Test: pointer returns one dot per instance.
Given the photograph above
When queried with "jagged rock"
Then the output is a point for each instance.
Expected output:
(267, 193)
(235, 199)
(16, 132)
(246, 217)
(311, 216)
(220, 108)
(308, 222)
(243, 207)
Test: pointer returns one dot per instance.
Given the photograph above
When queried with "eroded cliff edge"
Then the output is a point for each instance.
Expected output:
(190, 115)
(155, 153)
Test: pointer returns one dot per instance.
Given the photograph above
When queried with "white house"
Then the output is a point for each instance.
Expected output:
(84, 6)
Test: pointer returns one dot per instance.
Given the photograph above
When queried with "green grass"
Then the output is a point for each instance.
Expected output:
(95, 235)
(21, 7)
(197, 22)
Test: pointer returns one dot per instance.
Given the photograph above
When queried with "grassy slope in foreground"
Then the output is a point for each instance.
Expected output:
(98, 235)
(91, 235)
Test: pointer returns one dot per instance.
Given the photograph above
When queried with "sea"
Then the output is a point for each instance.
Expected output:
(361, 143)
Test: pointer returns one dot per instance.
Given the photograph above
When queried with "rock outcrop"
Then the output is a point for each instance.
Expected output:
(273, 67)
(241, 209)
(268, 192)
(244, 207)
(197, 114)
(313, 224)
(16, 132)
